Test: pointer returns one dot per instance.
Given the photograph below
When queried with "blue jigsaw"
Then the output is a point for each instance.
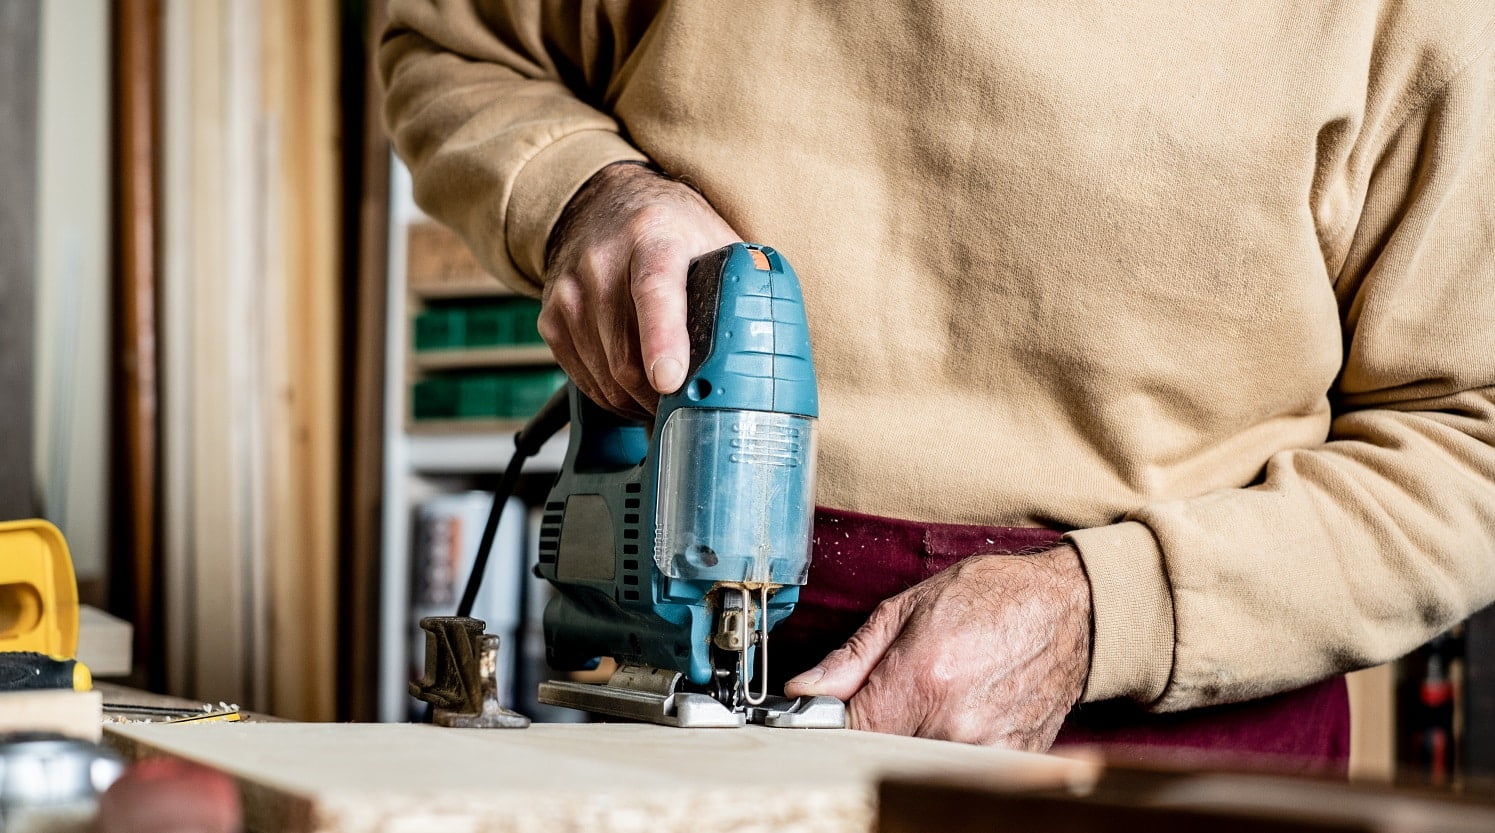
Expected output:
(676, 546)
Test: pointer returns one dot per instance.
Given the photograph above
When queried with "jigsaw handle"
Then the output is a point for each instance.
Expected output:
(749, 335)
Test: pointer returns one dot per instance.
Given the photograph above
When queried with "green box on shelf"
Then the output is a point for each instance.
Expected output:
(490, 394)
(490, 325)
(528, 390)
(525, 313)
(481, 396)
(435, 398)
(440, 328)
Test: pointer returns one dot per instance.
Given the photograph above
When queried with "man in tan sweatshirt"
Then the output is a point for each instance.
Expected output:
(1208, 288)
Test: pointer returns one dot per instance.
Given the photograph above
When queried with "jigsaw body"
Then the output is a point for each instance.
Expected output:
(675, 548)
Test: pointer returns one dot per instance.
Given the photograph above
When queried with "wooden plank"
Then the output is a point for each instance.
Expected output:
(134, 570)
(301, 778)
(72, 713)
(20, 26)
(213, 265)
(224, 606)
(104, 643)
(366, 184)
(298, 72)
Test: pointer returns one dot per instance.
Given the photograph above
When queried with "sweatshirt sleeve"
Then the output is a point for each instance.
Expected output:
(487, 103)
(1350, 553)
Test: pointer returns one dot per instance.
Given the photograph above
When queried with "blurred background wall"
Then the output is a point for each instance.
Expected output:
(72, 408)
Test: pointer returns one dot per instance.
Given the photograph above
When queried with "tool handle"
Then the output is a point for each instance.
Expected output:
(749, 335)
(27, 670)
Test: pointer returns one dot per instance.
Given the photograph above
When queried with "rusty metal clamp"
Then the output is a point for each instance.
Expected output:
(461, 678)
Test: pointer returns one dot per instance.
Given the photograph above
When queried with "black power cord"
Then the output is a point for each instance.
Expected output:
(551, 417)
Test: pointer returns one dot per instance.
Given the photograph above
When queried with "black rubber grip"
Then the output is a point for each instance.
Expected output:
(25, 670)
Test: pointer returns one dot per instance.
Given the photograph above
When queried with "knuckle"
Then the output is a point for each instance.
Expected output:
(651, 216)
(887, 612)
(563, 297)
(970, 727)
(596, 264)
(943, 672)
(550, 327)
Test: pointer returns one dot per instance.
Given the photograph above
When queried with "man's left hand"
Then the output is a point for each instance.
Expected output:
(994, 650)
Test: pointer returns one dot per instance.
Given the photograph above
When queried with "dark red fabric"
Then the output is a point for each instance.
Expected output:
(859, 560)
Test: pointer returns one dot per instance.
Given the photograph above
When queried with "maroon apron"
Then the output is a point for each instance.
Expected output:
(859, 560)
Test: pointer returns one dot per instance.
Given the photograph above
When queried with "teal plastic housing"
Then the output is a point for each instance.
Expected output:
(736, 448)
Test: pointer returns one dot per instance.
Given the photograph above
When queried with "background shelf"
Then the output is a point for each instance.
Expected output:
(429, 360)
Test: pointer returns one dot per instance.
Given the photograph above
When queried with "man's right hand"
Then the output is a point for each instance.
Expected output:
(613, 309)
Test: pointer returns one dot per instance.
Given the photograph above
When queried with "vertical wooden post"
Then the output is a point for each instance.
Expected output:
(20, 37)
(298, 78)
(134, 572)
(366, 269)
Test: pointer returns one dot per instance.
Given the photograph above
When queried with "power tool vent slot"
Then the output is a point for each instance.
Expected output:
(631, 578)
(633, 488)
(550, 531)
(547, 552)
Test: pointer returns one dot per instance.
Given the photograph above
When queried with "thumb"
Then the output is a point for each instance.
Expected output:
(657, 282)
(844, 671)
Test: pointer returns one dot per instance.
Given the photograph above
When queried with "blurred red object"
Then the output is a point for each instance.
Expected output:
(164, 795)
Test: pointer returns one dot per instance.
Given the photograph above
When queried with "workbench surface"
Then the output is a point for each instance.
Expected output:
(400, 778)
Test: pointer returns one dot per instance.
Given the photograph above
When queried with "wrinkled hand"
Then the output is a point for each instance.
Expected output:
(613, 309)
(994, 650)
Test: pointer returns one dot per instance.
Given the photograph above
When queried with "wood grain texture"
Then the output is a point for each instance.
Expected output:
(250, 311)
(20, 23)
(298, 88)
(135, 561)
(383, 778)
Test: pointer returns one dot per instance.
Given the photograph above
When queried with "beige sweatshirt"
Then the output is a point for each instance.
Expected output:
(1210, 283)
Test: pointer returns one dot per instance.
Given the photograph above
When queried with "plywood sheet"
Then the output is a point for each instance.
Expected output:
(73, 713)
(401, 778)
(104, 643)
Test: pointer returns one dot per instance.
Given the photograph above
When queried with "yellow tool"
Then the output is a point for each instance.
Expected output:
(38, 609)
